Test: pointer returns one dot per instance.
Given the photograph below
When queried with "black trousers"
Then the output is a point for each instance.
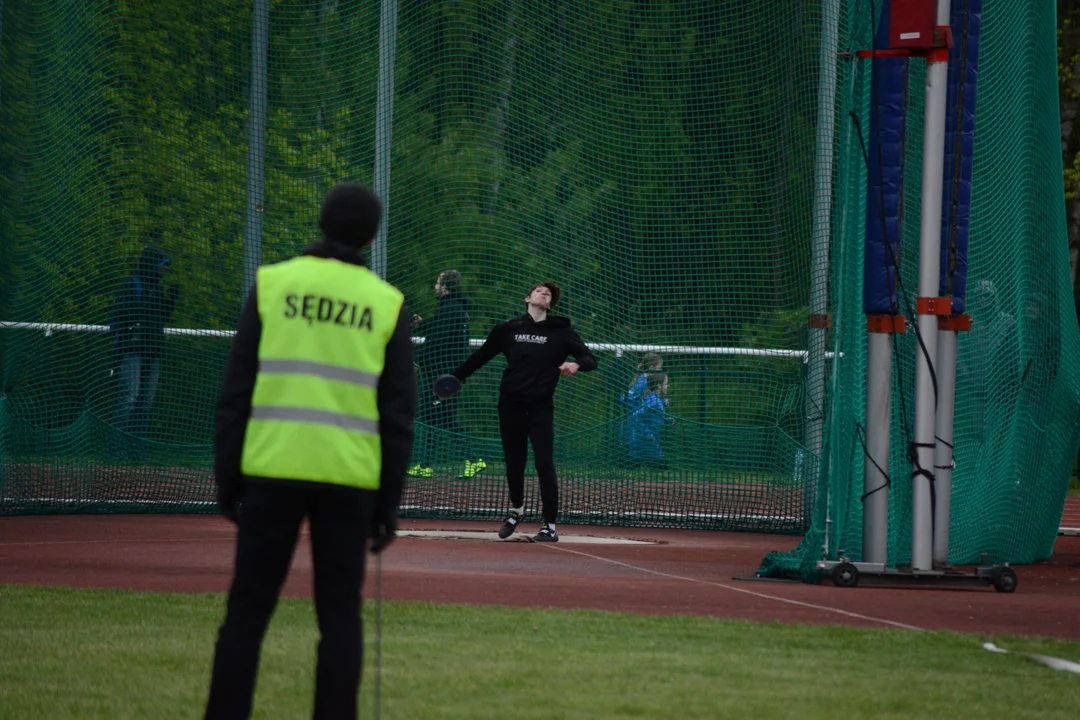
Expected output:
(520, 423)
(271, 515)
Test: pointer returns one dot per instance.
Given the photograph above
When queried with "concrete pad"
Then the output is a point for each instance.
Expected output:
(516, 537)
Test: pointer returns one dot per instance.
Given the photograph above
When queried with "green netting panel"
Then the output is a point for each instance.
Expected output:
(656, 159)
(1018, 391)
(125, 126)
(623, 151)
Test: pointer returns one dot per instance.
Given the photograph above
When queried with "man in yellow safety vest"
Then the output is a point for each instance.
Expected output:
(314, 420)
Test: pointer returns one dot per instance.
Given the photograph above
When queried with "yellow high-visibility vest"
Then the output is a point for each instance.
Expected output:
(314, 411)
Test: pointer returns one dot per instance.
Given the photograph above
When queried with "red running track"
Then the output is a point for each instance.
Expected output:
(686, 572)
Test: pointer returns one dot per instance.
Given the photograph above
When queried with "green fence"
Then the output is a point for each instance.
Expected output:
(675, 166)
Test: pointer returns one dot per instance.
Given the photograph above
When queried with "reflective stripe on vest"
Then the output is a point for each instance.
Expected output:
(330, 372)
(314, 416)
(319, 417)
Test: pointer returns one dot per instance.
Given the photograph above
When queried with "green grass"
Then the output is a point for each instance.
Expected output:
(1074, 485)
(68, 653)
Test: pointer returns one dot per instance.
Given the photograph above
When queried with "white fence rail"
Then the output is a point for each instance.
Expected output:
(619, 349)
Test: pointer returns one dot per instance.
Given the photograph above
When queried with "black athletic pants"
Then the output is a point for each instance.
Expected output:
(271, 514)
(520, 423)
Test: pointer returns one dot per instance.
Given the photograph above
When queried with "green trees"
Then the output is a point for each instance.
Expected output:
(629, 129)
(653, 158)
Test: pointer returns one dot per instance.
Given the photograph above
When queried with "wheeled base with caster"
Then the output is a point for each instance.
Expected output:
(845, 573)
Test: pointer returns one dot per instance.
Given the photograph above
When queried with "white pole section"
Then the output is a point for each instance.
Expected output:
(876, 460)
(820, 235)
(922, 520)
(384, 127)
(260, 40)
(943, 451)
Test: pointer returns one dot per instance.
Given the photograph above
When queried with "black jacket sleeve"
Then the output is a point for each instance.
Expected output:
(484, 354)
(582, 355)
(122, 316)
(172, 295)
(432, 329)
(397, 407)
(422, 330)
(234, 398)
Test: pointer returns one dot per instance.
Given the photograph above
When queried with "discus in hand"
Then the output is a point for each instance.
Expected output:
(446, 386)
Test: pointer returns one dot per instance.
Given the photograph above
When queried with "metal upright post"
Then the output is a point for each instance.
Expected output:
(922, 492)
(384, 127)
(821, 233)
(876, 459)
(943, 451)
(260, 40)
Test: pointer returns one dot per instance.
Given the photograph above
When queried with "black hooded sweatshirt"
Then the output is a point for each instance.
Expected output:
(143, 307)
(534, 351)
(446, 336)
(396, 398)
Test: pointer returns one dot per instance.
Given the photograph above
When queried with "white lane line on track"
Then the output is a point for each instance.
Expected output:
(764, 596)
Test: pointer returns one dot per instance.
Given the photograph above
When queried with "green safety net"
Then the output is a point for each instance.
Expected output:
(659, 160)
(1017, 385)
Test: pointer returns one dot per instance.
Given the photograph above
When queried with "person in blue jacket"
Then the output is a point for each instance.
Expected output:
(650, 364)
(646, 422)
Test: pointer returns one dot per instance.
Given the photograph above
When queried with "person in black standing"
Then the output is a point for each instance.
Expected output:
(140, 311)
(445, 346)
(314, 421)
(536, 346)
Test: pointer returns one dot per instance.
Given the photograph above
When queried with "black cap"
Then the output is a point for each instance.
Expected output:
(350, 215)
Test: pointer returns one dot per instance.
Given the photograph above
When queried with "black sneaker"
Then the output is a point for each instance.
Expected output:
(546, 534)
(509, 526)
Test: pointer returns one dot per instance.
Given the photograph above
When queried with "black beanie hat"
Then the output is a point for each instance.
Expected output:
(350, 215)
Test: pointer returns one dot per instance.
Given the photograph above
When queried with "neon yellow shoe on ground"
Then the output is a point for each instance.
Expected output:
(472, 469)
(419, 470)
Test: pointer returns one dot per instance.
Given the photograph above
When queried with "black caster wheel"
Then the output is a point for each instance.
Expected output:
(845, 575)
(1005, 580)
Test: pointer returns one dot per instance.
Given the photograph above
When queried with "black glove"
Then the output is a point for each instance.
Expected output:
(384, 530)
(228, 500)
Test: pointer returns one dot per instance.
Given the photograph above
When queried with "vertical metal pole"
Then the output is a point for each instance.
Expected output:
(820, 235)
(876, 460)
(378, 635)
(1, 38)
(922, 492)
(842, 252)
(1, 42)
(943, 451)
(5, 281)
(384, 127)
(260, 40)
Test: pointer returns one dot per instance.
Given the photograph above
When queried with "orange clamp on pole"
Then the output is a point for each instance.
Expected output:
(957, 323)
(892, 324)
(934, 306)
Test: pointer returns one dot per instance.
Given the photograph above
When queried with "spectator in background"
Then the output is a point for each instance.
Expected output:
(651, 363)
(445, 346)
(140, 311)
(645, 425)
(988, 365)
